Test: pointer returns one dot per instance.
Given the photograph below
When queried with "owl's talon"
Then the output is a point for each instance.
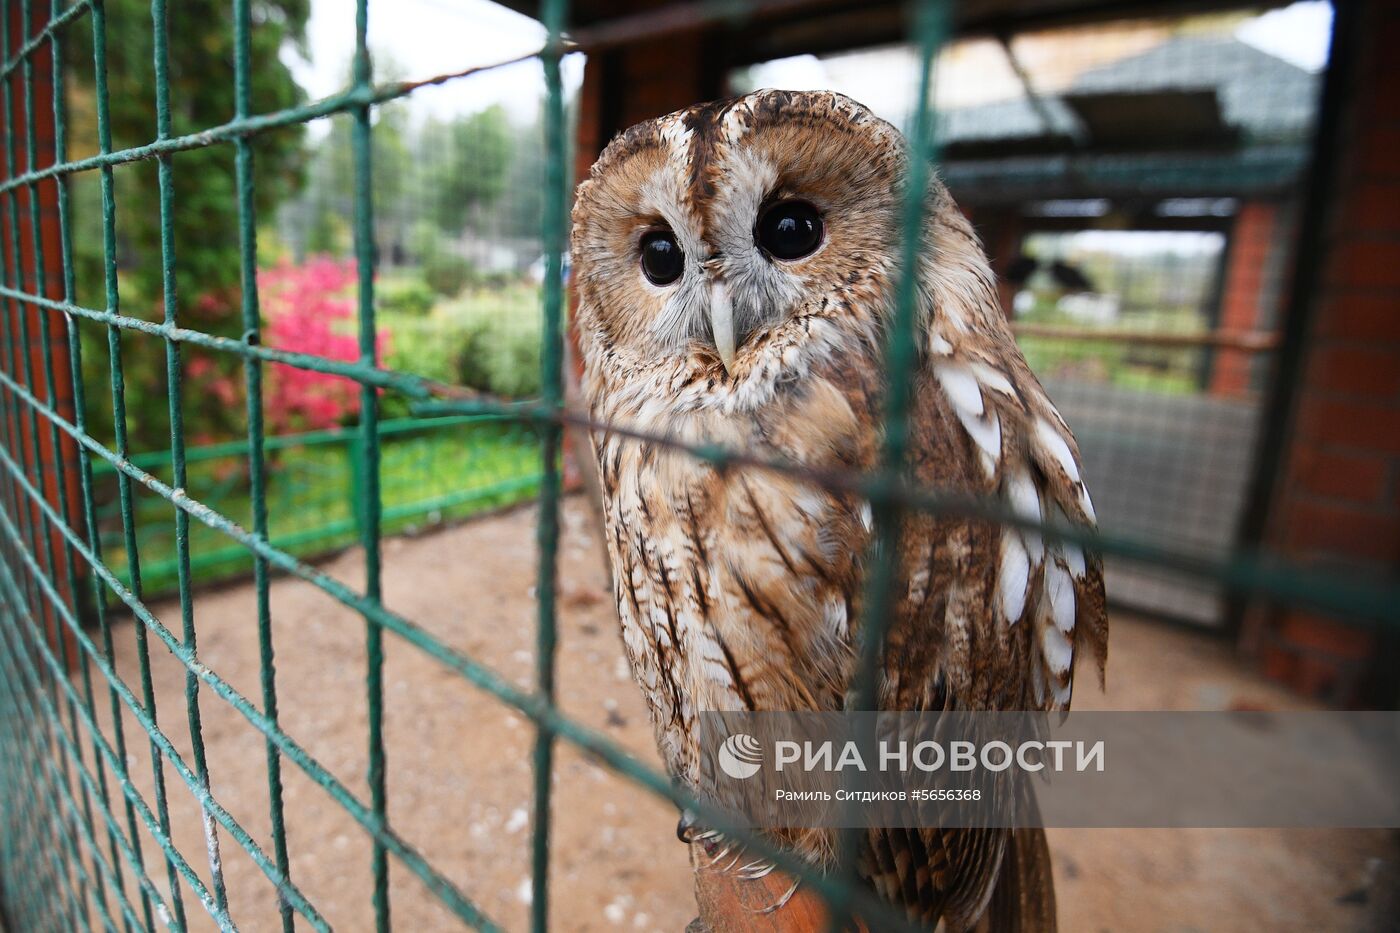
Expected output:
(688, 830)
(758, 868)
(715, 845)
(781, 902)
(685, 827)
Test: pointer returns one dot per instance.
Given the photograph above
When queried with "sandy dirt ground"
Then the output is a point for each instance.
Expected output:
(459, 780)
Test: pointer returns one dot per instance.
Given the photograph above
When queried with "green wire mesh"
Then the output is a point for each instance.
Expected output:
(79, 515)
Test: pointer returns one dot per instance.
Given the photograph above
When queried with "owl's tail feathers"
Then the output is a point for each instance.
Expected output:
(1023, 900)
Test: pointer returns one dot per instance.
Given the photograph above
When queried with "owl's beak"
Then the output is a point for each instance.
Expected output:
(722, 323)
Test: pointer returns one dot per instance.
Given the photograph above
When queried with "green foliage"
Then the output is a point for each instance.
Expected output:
(486, 339)
(206, 211)
(323, 210)
(467, 161)
(504, 329)
(422, 346)
(201, 96)
(408, 296)
(428, 183)
(447, 274)
(520, 212)
(431, 471)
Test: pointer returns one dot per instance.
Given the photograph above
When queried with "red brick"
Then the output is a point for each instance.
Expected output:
(1383, 28)
(1365, 264)
(1319, 635)
(1316, 656)
(1354, 477)
(1378, 152)
(1319, 529)
(1230, 375)
(1360, 317)
(1315, 677)
(1278, 663)
(1356, 370)
(1382, 104)
(1354, 423)
(1372, 207)
(1240, 303)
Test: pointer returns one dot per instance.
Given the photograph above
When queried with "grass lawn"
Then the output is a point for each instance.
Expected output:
(431, 471)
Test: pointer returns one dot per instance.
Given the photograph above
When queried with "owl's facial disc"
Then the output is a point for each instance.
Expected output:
(743, 238)
(663, 262)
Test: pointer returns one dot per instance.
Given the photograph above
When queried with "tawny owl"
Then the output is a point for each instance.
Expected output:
(734, 266)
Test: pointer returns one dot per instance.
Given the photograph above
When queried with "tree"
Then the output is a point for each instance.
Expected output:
(318, 221)
(201, 60)
(467, 162)
(525, 181)
(321, 215)
(201, 96)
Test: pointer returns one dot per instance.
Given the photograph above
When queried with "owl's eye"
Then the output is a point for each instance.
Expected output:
(662, 258)
(790, 230)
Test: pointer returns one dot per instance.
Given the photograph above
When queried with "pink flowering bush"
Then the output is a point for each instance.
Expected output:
(310, 309)
(205, 380)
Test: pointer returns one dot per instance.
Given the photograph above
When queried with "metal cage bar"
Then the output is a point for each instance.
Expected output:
(901, 355)
(370, 508)
(174, 397)
(115, 839)
(252, 375)
(551, 435)
(40, 266)
(118, 387)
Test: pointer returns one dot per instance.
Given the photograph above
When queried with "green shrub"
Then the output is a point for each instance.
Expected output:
(423, 346)
(447, 274)
(407, 296)
(502, 327)
(488, 339)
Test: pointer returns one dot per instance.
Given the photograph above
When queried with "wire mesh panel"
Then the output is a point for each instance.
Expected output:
(244, 326)
(1136, 183)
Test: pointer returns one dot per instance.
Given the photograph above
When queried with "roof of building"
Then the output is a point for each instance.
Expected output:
(1194, 114)
(760, 30)
(1259, 98)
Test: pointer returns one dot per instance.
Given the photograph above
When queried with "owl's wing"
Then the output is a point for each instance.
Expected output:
(1021, 607)
(995, 617)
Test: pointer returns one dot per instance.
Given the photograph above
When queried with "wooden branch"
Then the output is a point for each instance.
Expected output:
(1249, 341)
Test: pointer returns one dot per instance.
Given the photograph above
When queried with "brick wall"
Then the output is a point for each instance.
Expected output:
(1338, 505)
(1246, 289)
(24, 320)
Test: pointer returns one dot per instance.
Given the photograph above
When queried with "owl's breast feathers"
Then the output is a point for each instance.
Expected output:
(736, 588)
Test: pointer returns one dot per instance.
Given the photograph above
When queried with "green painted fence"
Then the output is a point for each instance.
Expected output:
(432, 470)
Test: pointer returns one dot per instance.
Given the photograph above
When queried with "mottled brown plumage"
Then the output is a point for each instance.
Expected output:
(740, 589)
